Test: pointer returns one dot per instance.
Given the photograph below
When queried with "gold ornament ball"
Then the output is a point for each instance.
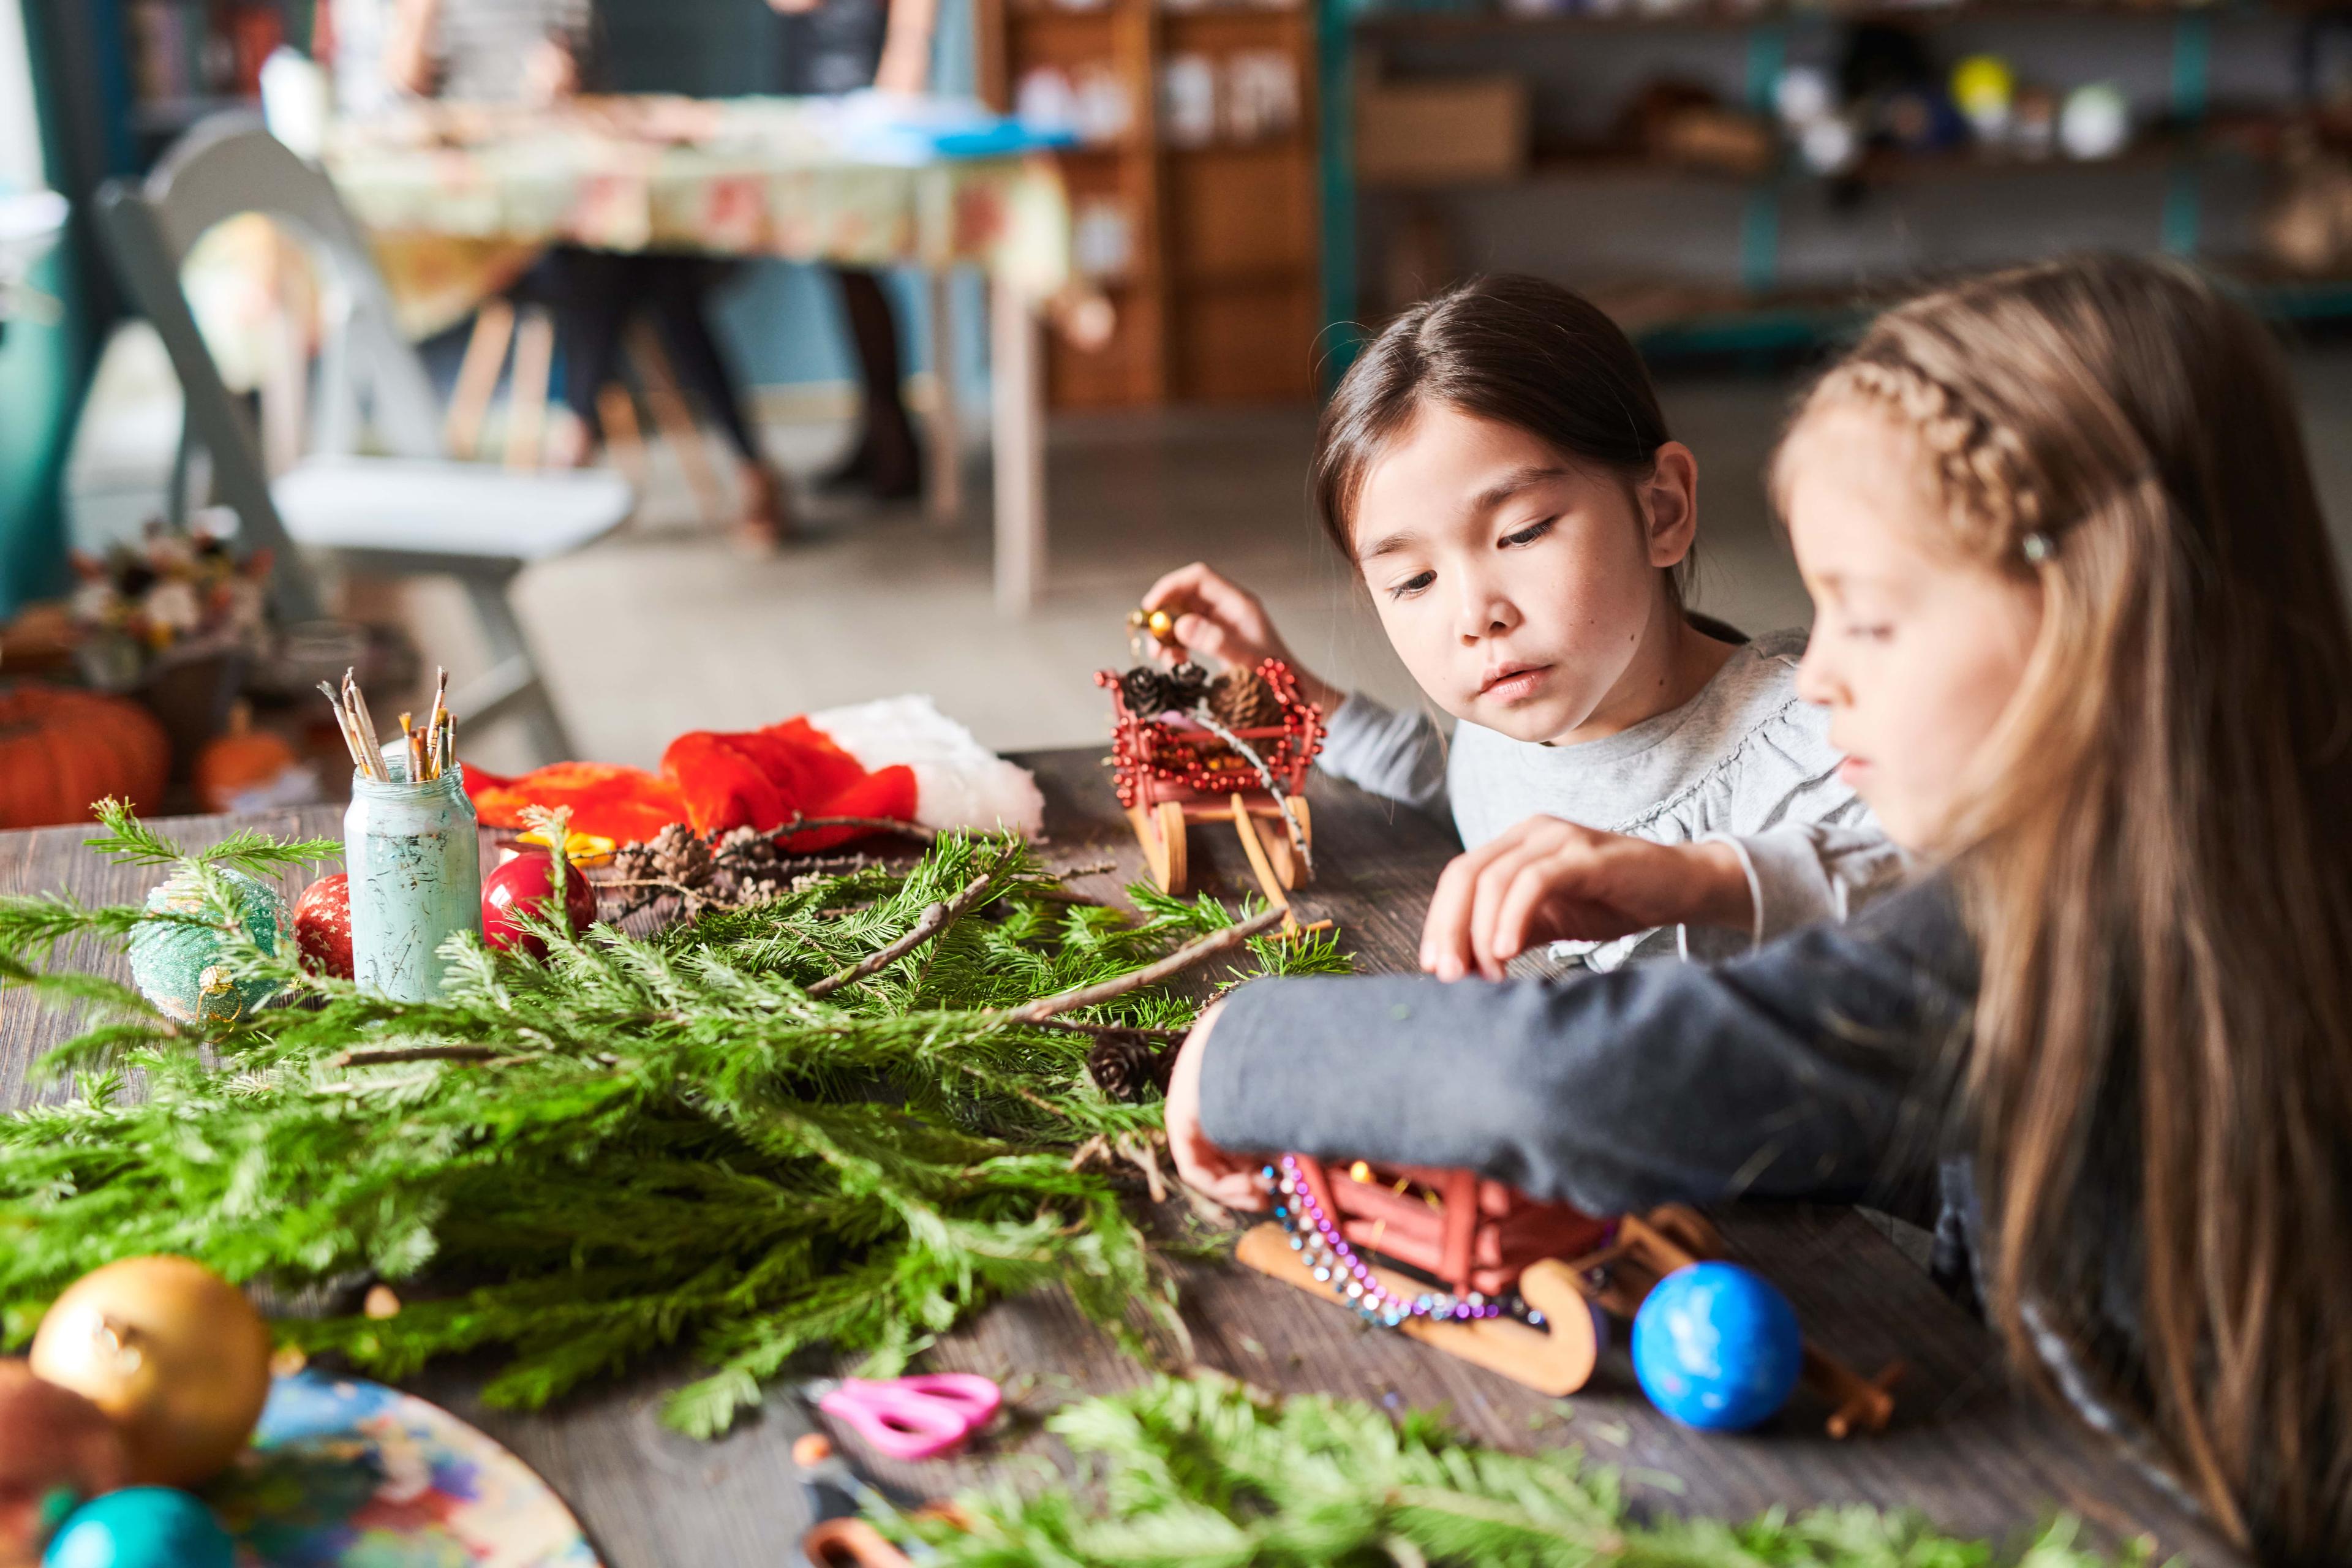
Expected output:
(172, 1352)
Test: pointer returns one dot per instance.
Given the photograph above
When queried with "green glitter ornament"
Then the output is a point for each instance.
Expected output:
(178, 966)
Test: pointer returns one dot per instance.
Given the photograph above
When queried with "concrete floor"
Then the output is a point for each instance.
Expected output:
(667, 627)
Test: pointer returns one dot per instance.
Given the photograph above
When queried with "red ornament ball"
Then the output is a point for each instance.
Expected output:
(527, 882)
(323, 926)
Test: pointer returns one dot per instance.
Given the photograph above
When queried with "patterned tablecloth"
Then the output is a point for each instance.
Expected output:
(460, 199)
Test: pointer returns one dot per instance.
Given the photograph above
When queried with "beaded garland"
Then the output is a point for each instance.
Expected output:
(1315, 1235)
(1155, 760)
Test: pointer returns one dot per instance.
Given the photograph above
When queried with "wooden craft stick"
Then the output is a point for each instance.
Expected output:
(1260, 866)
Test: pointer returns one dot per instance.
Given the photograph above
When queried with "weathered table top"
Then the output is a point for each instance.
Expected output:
(1972, 1457)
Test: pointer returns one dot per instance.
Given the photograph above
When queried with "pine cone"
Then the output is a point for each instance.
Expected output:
(1145, 691)
(1188, 683)
(1127, 1065)
(1243, 700)
(681, 855)
(633, 863)
(744, 847)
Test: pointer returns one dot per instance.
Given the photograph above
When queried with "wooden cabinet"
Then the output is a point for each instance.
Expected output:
(1192, 190)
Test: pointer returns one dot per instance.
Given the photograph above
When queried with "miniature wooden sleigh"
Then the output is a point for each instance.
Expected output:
(1173, 770)
(1481, 1271)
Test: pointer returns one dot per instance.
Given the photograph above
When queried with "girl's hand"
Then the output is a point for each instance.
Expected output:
(1227, 1178)
(1551, 880)
(1218, 617)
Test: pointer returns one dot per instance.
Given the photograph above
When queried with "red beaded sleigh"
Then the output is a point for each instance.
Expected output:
(1479, 1271)
(1173, 770)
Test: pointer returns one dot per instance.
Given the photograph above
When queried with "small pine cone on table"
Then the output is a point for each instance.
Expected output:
(681, 855)
(1129, 1066)
(1243, 700)
(746, 846)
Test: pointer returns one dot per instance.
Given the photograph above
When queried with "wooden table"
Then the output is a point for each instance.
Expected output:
(1974, 1459)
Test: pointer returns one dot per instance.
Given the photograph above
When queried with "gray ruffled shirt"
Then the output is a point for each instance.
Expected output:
(1745, 762)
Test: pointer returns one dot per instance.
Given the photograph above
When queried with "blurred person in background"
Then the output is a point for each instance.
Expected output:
(836, 47)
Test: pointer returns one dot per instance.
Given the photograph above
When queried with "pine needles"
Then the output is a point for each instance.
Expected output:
(1204, 1471)
(639, 1142)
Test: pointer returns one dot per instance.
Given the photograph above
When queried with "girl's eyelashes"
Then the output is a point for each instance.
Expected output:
(1869, 631)
(1412, 584)
(1528, 534)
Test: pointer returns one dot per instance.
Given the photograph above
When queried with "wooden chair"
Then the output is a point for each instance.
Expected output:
(530, 330)
(403, 509)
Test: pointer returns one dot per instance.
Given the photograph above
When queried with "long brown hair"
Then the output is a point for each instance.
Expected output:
(2156, 859)
(1510, 348)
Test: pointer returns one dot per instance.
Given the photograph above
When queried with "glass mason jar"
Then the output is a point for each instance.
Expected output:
(415, 866)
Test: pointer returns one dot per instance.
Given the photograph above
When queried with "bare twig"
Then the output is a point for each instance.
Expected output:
(1075, 1027)
(1143, 1154)
(934, 920)
(1175, 963)
(369, 1059)
(914, 830)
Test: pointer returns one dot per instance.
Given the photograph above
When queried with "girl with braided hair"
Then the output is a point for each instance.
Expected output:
(2082, 638)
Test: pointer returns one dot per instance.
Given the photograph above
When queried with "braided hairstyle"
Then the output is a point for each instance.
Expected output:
(2155, 858)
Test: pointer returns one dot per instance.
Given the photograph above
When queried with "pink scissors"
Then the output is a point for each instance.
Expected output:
(918, 1418)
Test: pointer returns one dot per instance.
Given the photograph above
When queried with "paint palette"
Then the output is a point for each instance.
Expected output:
(346, 1473)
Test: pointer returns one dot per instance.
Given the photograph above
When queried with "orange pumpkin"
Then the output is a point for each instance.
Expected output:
(61, 749)
(243, 759)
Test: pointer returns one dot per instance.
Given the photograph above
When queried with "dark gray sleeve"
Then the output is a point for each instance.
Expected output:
(1804, 1070)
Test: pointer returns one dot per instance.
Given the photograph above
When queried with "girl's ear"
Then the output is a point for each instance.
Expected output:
(1669, 499)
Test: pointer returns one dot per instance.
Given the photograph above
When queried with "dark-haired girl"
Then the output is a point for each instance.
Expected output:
(1496, 469)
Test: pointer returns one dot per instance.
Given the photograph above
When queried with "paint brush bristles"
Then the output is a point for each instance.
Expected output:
(344, 724)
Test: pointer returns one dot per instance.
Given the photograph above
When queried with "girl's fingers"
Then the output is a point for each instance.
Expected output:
(1445, 930)
(1525, 900)
(1201, 634)
(1494, 883)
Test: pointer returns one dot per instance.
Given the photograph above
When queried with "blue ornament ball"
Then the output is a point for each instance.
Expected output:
(178, 966)
(140, 1527)
(1717, 1347)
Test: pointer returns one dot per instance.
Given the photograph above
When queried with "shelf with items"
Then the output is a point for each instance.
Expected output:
(1458, 21)
(2181, 123)
(1193, 189)
(186, 59)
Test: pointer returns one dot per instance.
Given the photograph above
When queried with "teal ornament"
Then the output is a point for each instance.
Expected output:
(178, 966)
(140, 1527)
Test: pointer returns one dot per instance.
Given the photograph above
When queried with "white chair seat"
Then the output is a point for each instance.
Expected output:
(434, 507)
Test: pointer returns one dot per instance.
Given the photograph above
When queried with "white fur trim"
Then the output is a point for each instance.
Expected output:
(959, 783)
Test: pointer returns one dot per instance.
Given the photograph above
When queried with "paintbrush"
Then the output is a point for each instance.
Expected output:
(358, 700)
(440, 711)
(344, 724)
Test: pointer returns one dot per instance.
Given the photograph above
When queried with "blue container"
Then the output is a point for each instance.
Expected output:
(415, 865)
(1716, 1347)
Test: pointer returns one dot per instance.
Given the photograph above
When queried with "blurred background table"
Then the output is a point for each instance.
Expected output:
(460, 199)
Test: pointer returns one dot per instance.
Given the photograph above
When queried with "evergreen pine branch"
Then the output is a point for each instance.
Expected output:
(1204, 1469)
(128, 839)
(637, 1141)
